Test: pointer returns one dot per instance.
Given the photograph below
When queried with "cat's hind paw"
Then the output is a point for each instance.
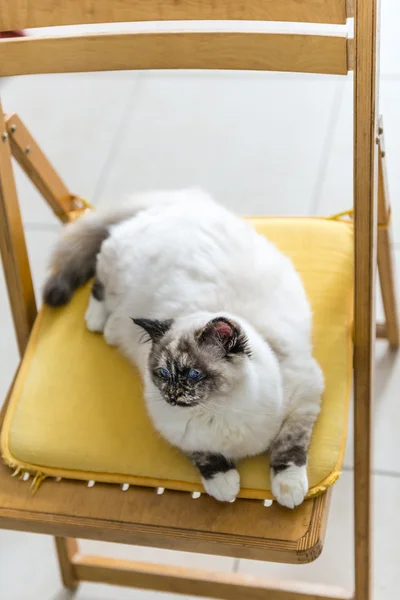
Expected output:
(290, 485)
(223, 486)
(96, 315)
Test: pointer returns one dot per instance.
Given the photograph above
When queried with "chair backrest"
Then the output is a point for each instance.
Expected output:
(187, 43)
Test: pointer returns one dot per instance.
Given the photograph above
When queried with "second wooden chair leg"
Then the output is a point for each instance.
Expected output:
(385, 250)
(66, 550)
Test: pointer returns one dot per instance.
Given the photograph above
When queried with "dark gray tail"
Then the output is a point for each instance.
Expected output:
(74, 260)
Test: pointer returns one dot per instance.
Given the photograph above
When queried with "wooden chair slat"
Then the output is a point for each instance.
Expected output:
(20, 14)
(175, 50)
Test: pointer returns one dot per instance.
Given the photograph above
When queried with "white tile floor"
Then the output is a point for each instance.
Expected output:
(262, 143)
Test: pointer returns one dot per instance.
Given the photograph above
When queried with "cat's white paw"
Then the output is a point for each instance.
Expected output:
(223, 486)
(290, 485)
(111, 330)
(96, 316)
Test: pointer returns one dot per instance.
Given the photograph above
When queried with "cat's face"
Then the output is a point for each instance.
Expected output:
(188, 367)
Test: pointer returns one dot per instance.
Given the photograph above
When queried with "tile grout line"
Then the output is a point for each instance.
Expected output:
(236, 564)
(116, 141)
(326, 148)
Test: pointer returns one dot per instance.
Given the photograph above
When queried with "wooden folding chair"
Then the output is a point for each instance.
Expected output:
(247, 529)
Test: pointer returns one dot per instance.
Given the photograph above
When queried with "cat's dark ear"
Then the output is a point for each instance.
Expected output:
(225, 335)
(155, 328)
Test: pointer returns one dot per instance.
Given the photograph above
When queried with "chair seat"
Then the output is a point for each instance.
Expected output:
(76, 409)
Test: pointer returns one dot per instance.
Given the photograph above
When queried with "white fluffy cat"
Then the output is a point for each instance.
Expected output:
(228, 369)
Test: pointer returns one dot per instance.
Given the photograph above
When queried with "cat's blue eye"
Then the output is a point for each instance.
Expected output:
(164, 373)
(195, 375)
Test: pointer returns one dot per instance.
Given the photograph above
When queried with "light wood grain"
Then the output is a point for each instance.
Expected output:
(140, 517)
(350, 54)
(21, 14)
(38, 168)
(13, 247)
(350, 9)
(175, 50)
(365, 212)
(181, 580)
(66, 549)
(385, 248)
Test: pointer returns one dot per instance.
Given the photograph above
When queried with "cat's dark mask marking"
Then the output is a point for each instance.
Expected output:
(154, 328)
(225, 335)
(178, 359)
(208, 350)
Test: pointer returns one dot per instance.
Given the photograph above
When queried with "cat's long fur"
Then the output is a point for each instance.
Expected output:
(209, 291)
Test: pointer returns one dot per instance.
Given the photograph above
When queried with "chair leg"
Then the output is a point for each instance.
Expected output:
(13, 246)
(362, 505)
(366, 32)
(67, 548)
(385, 252)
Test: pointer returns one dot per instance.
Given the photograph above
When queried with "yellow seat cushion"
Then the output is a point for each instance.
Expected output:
(77, 410)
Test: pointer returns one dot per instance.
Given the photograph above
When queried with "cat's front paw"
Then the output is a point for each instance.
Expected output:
(223, 486)
(290, 485)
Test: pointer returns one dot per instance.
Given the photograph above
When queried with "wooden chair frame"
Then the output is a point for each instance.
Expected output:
(67, 510)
